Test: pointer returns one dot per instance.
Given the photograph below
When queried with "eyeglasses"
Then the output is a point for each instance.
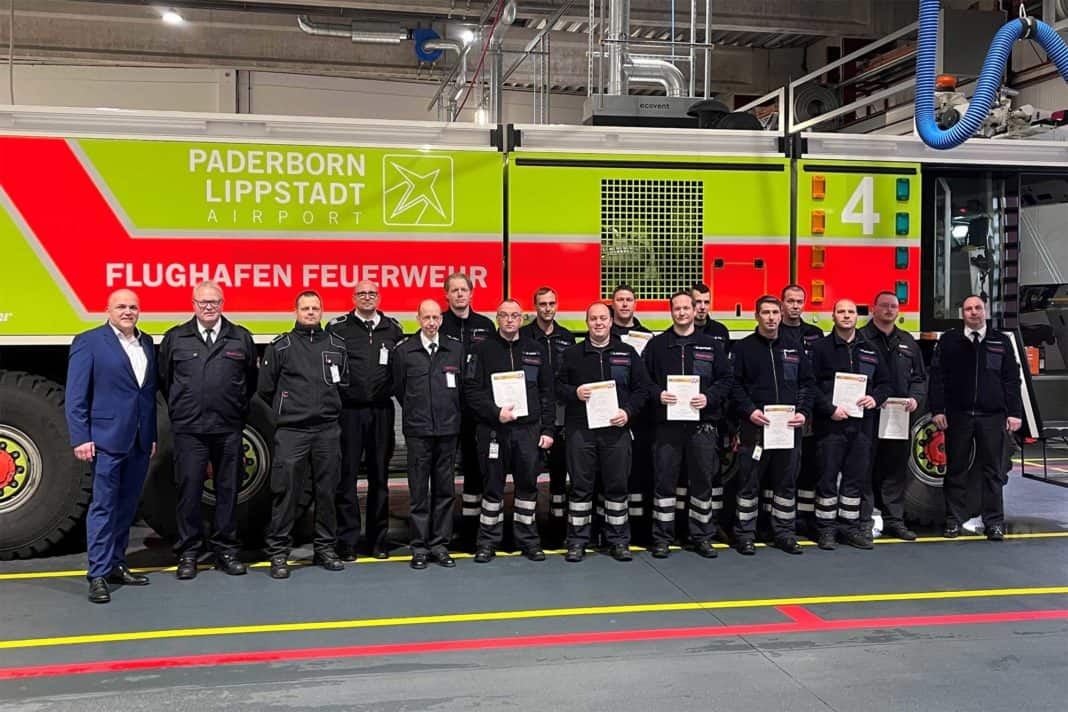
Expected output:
(208, 303)
(503, 315)
(367, 295)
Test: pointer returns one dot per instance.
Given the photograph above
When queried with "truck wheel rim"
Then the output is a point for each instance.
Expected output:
(255, 464)
(929, 452)
(20, 468)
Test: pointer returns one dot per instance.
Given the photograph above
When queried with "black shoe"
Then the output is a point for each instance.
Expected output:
(745, 547)
(575, 554)
(443, 559)
(660, 551)
(418, 561)
(98, 590)
(187, 569)
(329, 560)
(483, 555)
(995, 532)
(620, 552)
(855, 538)
(345, 552)
(279, 568)
(122, 576)
(229, 565)
(899, 531)
(704, 548)
(951, 530)
(380, 553)
(826, 540)
(534, 554)
(789, 545)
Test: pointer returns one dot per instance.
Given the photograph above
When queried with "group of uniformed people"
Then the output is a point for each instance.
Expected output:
(649, 472)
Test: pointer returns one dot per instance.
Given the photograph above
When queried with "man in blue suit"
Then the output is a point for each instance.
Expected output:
(111, 415)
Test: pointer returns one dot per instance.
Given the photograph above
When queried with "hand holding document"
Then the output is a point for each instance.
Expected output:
(849, 388)
(510, 389)
(602, 405)
(638, 339)
(778, 435)
(894, 419)
(684, 388)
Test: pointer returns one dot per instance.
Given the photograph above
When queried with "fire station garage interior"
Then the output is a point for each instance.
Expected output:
(866, 151)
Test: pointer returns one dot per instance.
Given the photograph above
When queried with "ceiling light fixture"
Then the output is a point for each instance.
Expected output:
(467, 36)
(171, 17)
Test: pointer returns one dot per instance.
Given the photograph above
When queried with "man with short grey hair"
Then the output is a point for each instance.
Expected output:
(207, 374)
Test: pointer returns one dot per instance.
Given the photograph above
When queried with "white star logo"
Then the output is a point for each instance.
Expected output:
(418, 190)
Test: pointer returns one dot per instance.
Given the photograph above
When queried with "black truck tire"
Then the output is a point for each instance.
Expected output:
(44, 490)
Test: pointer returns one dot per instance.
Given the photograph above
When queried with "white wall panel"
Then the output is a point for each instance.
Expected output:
(122, 87)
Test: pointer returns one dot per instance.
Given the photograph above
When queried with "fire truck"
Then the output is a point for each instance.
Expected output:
(267, 206)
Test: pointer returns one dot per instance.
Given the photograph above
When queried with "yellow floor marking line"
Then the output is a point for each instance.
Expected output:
(484, 616)
(29, 575)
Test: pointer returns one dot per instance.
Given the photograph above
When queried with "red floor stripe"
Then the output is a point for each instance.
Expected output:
(805, 622)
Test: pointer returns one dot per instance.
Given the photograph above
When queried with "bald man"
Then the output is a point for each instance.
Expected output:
(427, 375)
(845, 428)
(111, 415)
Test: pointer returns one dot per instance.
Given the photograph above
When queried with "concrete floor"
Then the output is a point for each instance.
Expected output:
(931, 625)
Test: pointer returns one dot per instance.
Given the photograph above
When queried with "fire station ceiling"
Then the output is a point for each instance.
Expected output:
(758, 42)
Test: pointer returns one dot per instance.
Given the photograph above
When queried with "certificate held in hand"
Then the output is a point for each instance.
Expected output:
(778, 435)
(510, 389)
(602, 405)
(685, 389)
(638, 339)
(894, 419)
(848, 389)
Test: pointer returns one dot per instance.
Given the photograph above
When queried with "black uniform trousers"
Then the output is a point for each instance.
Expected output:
(518, 453)
(558, 468)
(471, 472)
(367, 429)
(598, 456)
(695, 447)
(989, 433)
(294, 450)
(774, 476)
(848, 451)
(640, 482)
(889, 475)
(808, 475)
(431, 491)
(193, 452)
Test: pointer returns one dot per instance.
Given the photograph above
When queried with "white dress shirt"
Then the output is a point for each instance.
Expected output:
(969, 331)
(214, 332)
(134, 352)
(426, 342)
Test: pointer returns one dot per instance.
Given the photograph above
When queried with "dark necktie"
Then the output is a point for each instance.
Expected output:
(975, 338)
(370, 324)
(209, 338)
(433, 347)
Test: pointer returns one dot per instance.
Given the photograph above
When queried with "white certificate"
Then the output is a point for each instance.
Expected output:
(778, 435)
(638, 339)
(848, 389)
(894, 419)
(510, 388)
(602, 405)
(685, 388)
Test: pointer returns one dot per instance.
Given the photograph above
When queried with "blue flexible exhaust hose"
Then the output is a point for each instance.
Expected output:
(986, 90)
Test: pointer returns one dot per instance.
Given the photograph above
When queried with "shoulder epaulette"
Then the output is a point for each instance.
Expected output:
(282, 341)
(450, 337)
(338, 319)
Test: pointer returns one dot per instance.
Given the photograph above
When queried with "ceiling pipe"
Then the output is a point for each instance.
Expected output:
(508, 16)
(618, 34)
(350, 32)
(646, 70)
